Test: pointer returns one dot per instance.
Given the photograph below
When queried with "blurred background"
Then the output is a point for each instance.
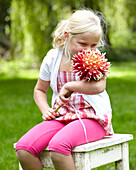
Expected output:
(26, 28)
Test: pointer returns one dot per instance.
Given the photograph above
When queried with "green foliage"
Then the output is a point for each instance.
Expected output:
(121, 21)
(32, 24)
(4, 13)
(30, 28)
(16, 68)
(121, 54)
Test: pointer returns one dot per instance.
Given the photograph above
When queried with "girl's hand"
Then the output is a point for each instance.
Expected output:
(49, 115)
(62, 96)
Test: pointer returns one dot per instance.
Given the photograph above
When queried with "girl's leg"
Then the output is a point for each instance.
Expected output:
(61, 161)
(28, 161)
(71, 136)
(34, 141)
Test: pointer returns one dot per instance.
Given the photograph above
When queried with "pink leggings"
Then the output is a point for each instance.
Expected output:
(60, 137)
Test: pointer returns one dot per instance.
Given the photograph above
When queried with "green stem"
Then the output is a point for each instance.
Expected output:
(57, 109)
(67, 95)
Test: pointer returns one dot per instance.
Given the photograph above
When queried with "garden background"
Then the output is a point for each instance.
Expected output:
(26, 28)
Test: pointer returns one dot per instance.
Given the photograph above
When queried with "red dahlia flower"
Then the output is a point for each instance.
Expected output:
(90, 65)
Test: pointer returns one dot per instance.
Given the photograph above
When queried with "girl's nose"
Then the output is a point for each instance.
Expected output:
(90, 48)
(94, 48)
(87, 48)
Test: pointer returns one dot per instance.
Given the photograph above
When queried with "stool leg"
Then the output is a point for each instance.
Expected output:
(124, 163)
(87, 165)
(82, 161)
(20, 167)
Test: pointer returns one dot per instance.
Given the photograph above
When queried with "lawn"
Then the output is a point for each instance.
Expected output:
(18, 112)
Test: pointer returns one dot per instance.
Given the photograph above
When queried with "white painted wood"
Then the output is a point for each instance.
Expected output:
(87, 162)
(124, 162)
(79, 159)
(107, 141)
(20, 167)
(110, 149)
(82, 161)
(105, 156)
(125, 156)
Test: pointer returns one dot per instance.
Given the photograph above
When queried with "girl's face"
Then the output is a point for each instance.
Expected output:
(83, 41)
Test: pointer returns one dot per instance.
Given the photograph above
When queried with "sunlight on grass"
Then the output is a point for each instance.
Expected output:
(123, 70)
(17, 69)
(28, 74)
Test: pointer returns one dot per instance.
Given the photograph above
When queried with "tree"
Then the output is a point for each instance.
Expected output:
(33, 21)
(32, 26)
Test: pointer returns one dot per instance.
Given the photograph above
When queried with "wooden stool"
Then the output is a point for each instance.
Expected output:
(95, 154)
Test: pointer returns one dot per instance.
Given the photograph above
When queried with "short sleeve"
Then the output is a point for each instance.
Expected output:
(47, 65)
(44, 70)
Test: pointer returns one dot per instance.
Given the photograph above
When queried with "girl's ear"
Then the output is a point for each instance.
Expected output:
(66, 35)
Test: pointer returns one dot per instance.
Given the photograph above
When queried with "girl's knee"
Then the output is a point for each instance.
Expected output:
(22, 154)
(55, 156)
(60, 146)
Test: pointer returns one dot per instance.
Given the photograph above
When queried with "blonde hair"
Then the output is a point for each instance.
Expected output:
(80, 21)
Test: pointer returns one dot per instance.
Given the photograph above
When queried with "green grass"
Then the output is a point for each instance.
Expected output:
(18, 112)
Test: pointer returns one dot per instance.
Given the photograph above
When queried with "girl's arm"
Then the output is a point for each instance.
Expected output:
(40, 98)
(86, 87)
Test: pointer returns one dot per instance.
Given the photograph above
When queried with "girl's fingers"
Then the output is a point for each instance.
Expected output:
(50, 114)
(62, 95)
(51, 111)
(62, 100)
(46, 117)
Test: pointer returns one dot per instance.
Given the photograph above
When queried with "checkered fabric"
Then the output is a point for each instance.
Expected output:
(78, 106)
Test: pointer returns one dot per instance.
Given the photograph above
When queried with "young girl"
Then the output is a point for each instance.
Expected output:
(83, 117)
